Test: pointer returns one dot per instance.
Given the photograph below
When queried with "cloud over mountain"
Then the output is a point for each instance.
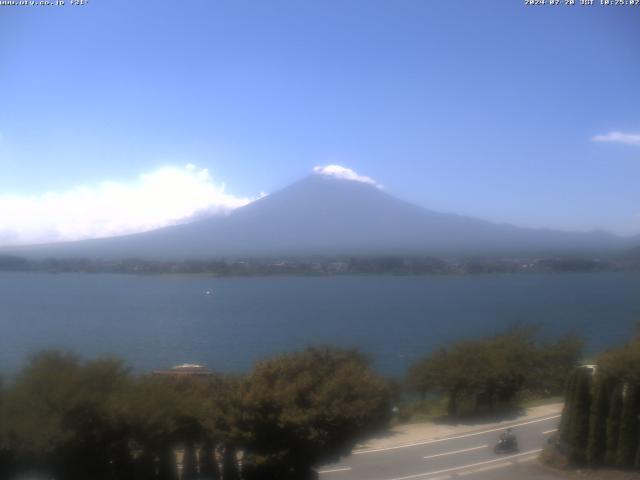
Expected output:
(344, 173)
(326, 214)
(166, 196)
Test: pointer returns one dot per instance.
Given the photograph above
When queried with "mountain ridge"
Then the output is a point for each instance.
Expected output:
(324, 215)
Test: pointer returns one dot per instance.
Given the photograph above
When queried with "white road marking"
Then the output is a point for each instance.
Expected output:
(485, 469)
(526, 459)
(456, 451)
(334, 470)
(462, 467)
(549, 431)
(428, 442)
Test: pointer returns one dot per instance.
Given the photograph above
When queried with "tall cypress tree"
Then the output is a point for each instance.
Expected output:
(628, 437)
(567, 412)
(5, 463)
(613, 425)
(579, 428)
(597, 445)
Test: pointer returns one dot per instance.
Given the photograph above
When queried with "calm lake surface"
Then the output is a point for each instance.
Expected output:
(160, 321)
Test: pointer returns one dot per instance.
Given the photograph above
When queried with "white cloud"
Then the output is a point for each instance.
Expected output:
(166, 196)
(619, 137)
(344, 173)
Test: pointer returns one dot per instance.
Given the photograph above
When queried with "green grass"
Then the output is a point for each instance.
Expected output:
(419, 411)
(539, 402)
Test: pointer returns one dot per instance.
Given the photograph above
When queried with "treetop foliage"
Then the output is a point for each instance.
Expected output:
(494, 369)
(602, 410)
(73, 419)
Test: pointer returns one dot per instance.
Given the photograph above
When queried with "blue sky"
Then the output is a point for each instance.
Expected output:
(476, 107)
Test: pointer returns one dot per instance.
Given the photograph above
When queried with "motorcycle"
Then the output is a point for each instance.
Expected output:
(507, 445)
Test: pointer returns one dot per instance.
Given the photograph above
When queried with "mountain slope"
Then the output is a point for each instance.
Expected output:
(321, 215)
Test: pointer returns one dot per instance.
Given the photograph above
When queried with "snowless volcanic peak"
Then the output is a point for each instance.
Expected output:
(344, 173)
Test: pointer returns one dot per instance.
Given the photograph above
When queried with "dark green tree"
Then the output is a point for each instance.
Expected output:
(622, 363)
(167, 416)
(613, 425)
(220, 414)
(622, 366)
(57, 417)
(579, 429)
(149, 409)
(555, 360)
(6, 455)
(567, 413)
(312, 407)
(444, 372)
(628, 436)
(494, 370)
(597, 444)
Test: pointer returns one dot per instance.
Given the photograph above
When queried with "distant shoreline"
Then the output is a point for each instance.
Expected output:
(323, 267)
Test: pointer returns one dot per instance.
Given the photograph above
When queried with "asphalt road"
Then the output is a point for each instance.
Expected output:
(467, 455)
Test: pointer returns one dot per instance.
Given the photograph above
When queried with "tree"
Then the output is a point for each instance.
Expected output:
(6, 455)
(597, 444)
(164, 414)
(442, 372)
(623, 363)
(311, 407)
(516, 358)
(579, 429)
(628, 435)
(474, 369)
(555, 361)
(567, 412)
(220, 414)
(57, 416)
(494, 370)
(613, 425)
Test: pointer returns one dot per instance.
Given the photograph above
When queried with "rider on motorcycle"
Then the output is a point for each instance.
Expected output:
(508, 438)
(507, 443)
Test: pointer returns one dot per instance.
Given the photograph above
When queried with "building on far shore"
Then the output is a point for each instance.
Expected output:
(185, 370)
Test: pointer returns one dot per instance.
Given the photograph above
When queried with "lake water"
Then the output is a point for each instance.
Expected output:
(160, 321)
